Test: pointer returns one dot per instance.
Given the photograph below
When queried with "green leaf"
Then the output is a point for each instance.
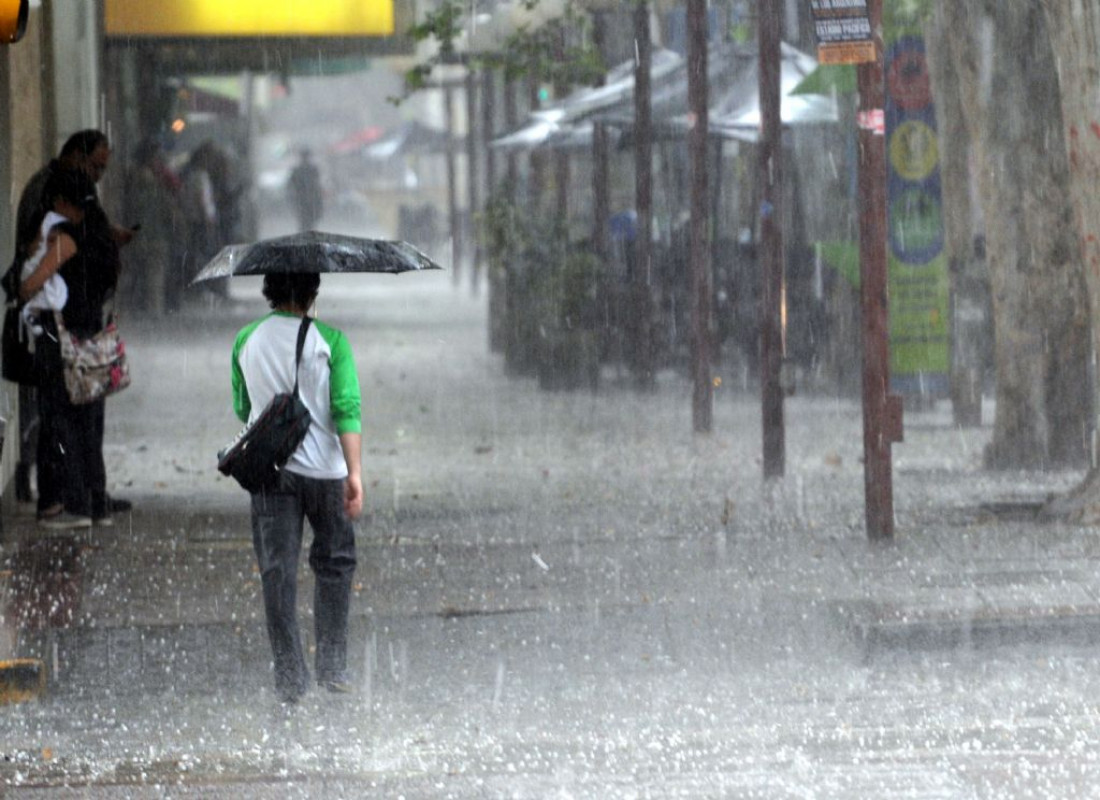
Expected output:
(828, 78)
(843, 257)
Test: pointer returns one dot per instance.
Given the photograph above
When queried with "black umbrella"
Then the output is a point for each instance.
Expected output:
(317, 252)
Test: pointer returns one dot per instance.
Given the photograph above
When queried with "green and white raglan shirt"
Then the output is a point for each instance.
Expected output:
(263, 366)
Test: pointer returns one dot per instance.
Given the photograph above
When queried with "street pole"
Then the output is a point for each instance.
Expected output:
(452, 182)
(881, 410)
(473, 176)
(771, 240)
(702, 405)
(641, 279)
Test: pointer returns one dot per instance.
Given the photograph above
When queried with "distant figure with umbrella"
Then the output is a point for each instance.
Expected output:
(322, 481)
(305, 191)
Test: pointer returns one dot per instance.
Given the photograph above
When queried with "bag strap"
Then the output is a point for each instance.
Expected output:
(302, 331)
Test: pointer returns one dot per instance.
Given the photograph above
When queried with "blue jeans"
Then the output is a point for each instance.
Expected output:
(277, 517)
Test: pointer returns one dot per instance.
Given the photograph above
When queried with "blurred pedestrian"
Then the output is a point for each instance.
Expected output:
(152, 199)
(200, 219)
(210, 201)
(229, 188)
(321, 482)
(305, 191)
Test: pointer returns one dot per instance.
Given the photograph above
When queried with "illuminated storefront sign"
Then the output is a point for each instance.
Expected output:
(248, 18)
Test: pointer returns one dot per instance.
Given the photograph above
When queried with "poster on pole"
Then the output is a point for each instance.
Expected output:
(919, 281)
(843, 29)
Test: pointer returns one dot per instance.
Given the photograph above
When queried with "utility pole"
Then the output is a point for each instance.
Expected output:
(641, 279)
(452, 181)
(772, 348)
(882, 412)
(473, 176)
(702, 404)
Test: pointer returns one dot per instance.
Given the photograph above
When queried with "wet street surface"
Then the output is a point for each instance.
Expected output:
(560, 595)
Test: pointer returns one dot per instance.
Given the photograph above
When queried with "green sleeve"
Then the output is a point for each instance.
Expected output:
(242, 405)
(344, 398)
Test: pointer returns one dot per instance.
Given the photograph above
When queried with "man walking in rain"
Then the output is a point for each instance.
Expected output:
(321, 482)
(305, 191)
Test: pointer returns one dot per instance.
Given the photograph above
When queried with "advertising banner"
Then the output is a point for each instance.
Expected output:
(919, 283)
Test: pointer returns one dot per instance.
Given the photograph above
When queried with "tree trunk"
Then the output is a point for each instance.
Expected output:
(772, 288)
(1074, 29)
(1035, 273)
(969, 284)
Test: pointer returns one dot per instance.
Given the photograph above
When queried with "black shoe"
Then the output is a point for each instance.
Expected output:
(116, 505)
(23, 491)
(290, 697)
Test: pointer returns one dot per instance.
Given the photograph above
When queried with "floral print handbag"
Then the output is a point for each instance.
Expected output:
(94, 367)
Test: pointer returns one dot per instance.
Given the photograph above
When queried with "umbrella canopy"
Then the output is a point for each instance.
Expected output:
(734, 111)
(669, 90)
(562, 125)
(315, 252)
(357, 140)
(618, 88)
(412, 137)
(546, 133)
(534, 134)
(740, 106)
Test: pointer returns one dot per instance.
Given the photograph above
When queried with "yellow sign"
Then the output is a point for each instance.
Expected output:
(13, 20)
(248, 18)
(914, 151)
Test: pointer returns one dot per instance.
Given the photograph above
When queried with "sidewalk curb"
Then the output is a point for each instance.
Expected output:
(948, 629)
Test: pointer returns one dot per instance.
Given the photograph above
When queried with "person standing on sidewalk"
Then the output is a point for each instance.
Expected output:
(321, 482)
(66, 444)
(87, 151)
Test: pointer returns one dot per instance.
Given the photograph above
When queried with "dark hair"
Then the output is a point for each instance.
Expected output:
(72, 185)
(294, 289)
(84, 142)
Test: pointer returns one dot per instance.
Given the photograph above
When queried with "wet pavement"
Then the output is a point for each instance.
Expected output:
(560, 595)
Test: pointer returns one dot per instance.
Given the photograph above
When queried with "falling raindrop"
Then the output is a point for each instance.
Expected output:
(498, 684)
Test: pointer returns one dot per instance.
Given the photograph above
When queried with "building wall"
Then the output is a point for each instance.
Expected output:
(22, 74)
(28, 73)
(37, 111)
(76, 49)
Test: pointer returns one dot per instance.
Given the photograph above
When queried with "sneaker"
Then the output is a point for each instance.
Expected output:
(104, 521)
(63, 520)
(336, 686)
